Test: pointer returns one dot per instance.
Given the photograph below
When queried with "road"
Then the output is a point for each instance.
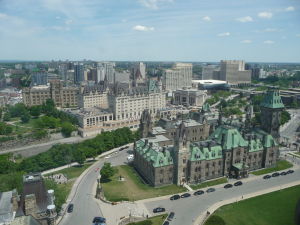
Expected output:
(289, 129)
(85, 205)
(187, 210)
(27, 151)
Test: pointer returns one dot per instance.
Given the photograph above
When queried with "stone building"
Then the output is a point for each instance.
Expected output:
(189, 97)
(95, 96)
(61, 95)
(230, 151)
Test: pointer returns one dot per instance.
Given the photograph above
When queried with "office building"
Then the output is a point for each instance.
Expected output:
(189, 97)
(208, 72)
(233, 71)
(178, 77)
(39, 78)
(78, 73)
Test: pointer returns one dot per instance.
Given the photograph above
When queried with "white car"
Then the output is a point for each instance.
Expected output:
(130, 157)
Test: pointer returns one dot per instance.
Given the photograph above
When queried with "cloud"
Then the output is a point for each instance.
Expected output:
(246, 41)
(265, 15)
(153, 4)
(206, 18)
(142, 28)
(224, 34)
(245, 19)
(60, 28)
(3, 16)
(298, 35)
(269, 42)
(289, 9)
(68, 22)
(271, 30)
(57, 17)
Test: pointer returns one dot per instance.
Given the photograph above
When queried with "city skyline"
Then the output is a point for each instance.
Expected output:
(150, 30)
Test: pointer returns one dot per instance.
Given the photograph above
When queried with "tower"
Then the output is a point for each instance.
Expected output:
(145, 124)
(181, 155)
(271, 108)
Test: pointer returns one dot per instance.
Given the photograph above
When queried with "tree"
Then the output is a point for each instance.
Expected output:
(67, 128)
(106, 172)
(79, 156)
(285, 117)
(40, 133)
(35, 110)
(6, 116)
(25, 117)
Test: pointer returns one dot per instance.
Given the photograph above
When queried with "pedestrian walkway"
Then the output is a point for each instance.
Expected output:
(187, 187)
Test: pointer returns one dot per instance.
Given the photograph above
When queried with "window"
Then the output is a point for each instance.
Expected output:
(183, 170)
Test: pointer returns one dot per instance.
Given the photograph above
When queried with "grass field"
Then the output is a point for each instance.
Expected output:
(210, 183)
(156, 220)
(281, 165)
(133, 188)
(276, 208)
(74, 171)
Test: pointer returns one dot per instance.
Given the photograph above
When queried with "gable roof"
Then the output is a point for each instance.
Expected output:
(272, 100)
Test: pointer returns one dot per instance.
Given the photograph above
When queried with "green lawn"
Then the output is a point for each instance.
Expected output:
(209, 183)
(156, 220)
(133, 188)
(74, 171)
(281, 165)
(276, 208)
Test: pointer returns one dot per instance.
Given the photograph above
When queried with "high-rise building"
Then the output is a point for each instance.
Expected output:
(233, 71)
(208, 71)
(178, 77)
(39, 78)
(62, 71)
(78, 73)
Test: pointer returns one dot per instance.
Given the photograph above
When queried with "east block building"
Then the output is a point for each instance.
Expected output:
(228, 151)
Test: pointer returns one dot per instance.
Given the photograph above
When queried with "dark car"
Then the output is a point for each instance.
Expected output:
(228, 186)
(239, 183)
(98, 220)
(283, 173)
(290, 171)
(166, 223)
(70, 208)
(210, 190)
(200, 192)
(175, 197)
(171, 216)
(275, 174)
(159, 209)
(267, 177)
(185, 195)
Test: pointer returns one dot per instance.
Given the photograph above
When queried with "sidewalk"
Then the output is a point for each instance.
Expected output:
(202, 218)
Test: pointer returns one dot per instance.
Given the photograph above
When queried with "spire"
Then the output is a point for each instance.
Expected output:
(272, 100)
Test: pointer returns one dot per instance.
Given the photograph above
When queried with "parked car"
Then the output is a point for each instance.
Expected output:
(239, 183)
(166, 223)
(99, 220)
(171, 216)
(267, 177)
(210, 190)
(175, 197)
(200, 192)
(159, 209)
(70, 208)
(185, 195)
(290, 171)
(275, 174)
(283, 173)
(228, 186)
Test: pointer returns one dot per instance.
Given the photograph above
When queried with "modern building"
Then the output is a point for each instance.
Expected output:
(211, 84)
(208, 72)
(78, 73)
(233, 71)
(63, 71)
(62, 96)
(178, 77)
(189, 97)
(230, 151)
(39, 78)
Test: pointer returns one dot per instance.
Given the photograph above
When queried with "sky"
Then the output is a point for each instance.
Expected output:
(150, 30)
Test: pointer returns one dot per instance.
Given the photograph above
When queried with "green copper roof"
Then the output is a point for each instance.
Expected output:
(267, 139)
(272, 100)
(255, 145)
(203, 153)
(232, 137)
(239, 166)
(152, 86)
(206, 107)
(154, 154)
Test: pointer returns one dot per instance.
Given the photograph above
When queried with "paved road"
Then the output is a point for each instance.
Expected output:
(27, 151)
(289, 129)
(85, 206)
(187, 210)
